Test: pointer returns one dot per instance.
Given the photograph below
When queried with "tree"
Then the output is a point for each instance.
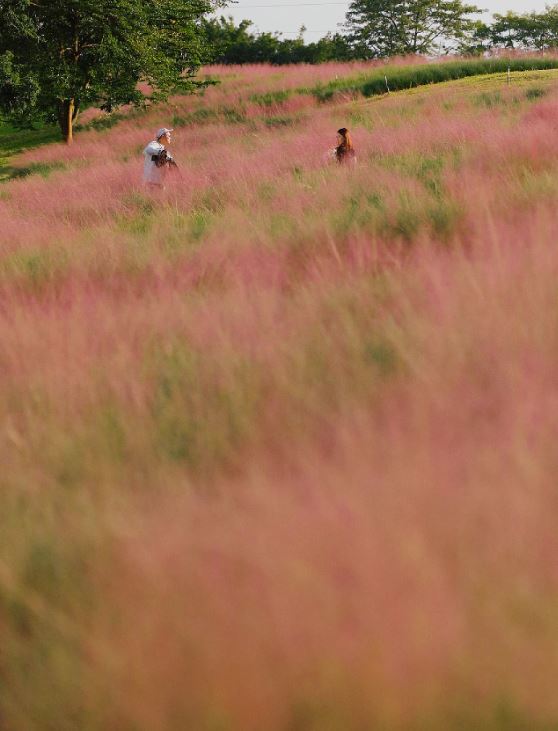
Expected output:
(332, 47)
(478, 41)
(511, 30)
(380, 28)
(529, 31)
(232, 43)
(60, 56)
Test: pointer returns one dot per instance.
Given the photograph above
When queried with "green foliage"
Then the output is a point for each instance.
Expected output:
(234, 44)
(389, 28)
(530, 31)
(58, 56)
(18, 92)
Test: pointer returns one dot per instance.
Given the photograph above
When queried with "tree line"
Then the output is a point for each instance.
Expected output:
(383, 28)
(58, 57)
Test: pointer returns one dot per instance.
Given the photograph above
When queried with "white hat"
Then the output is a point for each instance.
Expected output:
(162, 132)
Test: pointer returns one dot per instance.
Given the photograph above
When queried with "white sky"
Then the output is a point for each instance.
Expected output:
(322, 16)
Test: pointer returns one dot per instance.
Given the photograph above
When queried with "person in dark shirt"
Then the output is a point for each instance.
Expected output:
(345, 151)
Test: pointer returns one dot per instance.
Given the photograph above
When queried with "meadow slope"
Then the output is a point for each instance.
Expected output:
(278, 445)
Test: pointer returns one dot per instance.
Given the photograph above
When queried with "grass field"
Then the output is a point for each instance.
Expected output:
(14, 142)
(278, 444)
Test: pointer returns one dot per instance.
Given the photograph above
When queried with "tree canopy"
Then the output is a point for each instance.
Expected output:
(381, 28)
(60, 56)
(231, 43)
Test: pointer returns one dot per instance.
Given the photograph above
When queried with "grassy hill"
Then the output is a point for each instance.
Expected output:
(278, 443)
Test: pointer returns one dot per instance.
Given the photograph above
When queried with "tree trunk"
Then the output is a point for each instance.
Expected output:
(67, 113)
(70, 122)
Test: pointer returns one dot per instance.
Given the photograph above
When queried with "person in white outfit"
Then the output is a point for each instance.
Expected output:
(157, 159)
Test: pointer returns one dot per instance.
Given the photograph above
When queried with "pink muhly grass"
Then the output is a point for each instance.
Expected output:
(351, 567)
(278, 442)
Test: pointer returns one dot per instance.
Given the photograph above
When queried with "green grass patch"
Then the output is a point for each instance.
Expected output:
(279, 121)
(535, 92)
(408, 218)
(364, 210)
(382, 355)
(14, 141)
(444, 215)
(107, 121)
(408, 77)
(489, 99)
(233, 115)
(271, 98)
(201, 410)
(187, 231)
(197, 117)
(35, 269)
(44, 169)
(427, 169)
(137, 220)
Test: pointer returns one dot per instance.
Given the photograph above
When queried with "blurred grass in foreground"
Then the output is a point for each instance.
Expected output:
(277, 446)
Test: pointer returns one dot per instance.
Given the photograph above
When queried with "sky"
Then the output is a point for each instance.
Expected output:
(321, 16)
